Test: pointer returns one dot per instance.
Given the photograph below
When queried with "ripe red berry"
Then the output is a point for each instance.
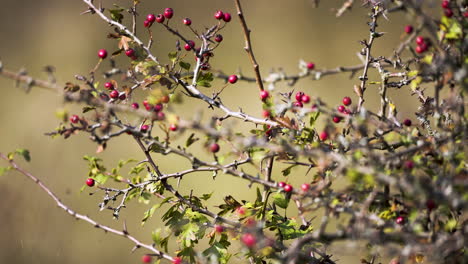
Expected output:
(168, 13)
(114, 94)
(187, 21)
(189, 45)
(241, 210)
(74, 119)
(281, 184)
(264, 95)
(310, 65)
(135, 106)
(419, 40)
(219, 14)
(144, 128)
(130, 52)
(341, 108)
(323, 136)
(305, 98)
(205, 66)
(219, 228)
(249, 240)
(305, 187)
(419, 49)
(146, 23)
(409, 29)
(336, 119)
(159, 18)
(431, 205)
(347, 101)
(151, 18)
(288, 188)
(232, 79)
(122, 96)
(176, 260)
(90, 182)
(102, 53)
(109, 85)
(299, 96)
(266, 113)
(445, 4)
(146, 259)
(400, 220)
(173, 127)
(214, 147)
(465, 14)
(161, 116)
(227, 17)
(407, 122)
(409, 165)
(448, 12)
(298, 104)
(218, 38)
(158, 107)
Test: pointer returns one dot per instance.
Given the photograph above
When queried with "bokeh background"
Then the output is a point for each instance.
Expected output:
(35, 33)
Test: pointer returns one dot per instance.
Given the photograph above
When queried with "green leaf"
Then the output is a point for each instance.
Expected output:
(280, 200)
(190, 140)
(206, 196)
(4, 170)
(184, 65)
(204, 84)
(88, 108)
(291, 229)
(173, 56)
(313, 118)
(116, 14)
(24, 153)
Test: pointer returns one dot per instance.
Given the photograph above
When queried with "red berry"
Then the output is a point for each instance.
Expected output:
(176, 260)
(240, 210)
(158, 107)
(310, 65)
(448, 12)
(130, 52)
(109, 85)
(146, 259)
(219, 14)
(249, 240)
(122, 96)
(214, 147)
(323, 136)
(465, 14)
(218, 38)
(431, 205)
(135, 106)
(232, 79)
(409, 29)
(288, 188)
(151, 18)
(419, 40)
(407, 122)
(227, 17)
(266, 113)
(299, 96)
(219, 228)
(305, 187)
(341, 108)
(144, 128)
(305, 98)
(264, 95)
(187, 21)
(168, 13)
(102, 53)
(298, 104)
(205, 66)
(347, 101)
(90, 182)
(146, 23)
(145, 103)
(159, 18)
(409, 165)
(419, 49)
(173, 127)
(445, 4)
(74, 119)
(189, 45)
(165, 99)
(114, 94)
(281, 184)
(336, 119)
(161, 116)
(400, 220)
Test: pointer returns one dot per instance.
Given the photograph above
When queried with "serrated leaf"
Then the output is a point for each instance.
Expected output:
(280, 200)
(116, 14)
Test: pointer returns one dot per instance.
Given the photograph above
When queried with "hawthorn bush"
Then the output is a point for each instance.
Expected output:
(393, 184)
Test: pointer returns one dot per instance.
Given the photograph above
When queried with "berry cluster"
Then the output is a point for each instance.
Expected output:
(423, 44)
(301, 99)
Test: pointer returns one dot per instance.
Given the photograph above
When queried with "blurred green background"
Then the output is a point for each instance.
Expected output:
(38, 33)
